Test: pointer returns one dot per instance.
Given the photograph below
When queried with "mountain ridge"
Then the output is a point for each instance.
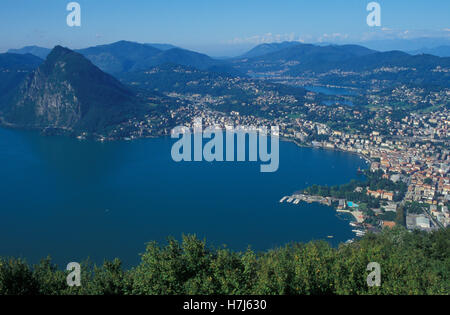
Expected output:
(439, 51)
(266, 48)
(37, 51)
(125, 56)
(68, 92)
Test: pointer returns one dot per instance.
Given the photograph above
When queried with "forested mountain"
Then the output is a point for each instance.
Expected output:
(67, 91)
(127, 56)
(440, 51)
(310, 57)
(268, 48)
(348, 65)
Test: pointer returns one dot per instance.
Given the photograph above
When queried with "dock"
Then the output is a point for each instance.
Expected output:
(359, 232)
(297, 198)
(283, 199)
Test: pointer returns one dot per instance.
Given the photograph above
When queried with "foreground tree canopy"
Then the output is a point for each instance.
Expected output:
(411, 263)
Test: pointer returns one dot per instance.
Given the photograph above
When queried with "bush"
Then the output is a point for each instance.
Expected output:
(411, 263)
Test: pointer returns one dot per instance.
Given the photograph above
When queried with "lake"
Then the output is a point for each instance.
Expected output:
(331, 90)
(74, 199)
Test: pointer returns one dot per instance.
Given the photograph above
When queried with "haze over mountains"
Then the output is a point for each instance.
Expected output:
(37, 51)
(329, 63)
(287, 57)
(78, 90)
(434, 46)
(125, 56)
(265, 49)
(42, 52)
(308, 56)
(440, 51)
(408, 45)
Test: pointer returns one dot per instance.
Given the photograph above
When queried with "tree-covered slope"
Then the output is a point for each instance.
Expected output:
(68, 92)
(348, 64)
(411, 263)
(123, 56)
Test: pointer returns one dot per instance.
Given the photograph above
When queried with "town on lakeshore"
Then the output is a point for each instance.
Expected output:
(400, 128)
(409, 170)
(408, 155)
(219, 155)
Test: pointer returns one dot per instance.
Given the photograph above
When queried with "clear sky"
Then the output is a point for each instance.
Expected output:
(215, 26)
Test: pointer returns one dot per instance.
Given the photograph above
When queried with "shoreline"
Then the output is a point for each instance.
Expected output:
(94, 137)
(358, 222)
(319, 199)
(305, 145)
(330, 230)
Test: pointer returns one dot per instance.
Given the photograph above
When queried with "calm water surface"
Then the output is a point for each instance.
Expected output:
(75, 199)
(330, 91)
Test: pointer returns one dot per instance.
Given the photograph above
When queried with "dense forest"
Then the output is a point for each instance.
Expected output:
(411, 263)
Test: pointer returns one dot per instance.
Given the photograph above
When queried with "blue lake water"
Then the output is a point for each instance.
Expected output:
(75, 199)
(331, 91)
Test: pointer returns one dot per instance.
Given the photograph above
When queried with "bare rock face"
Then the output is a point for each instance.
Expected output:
(48, 102)
(68, 92)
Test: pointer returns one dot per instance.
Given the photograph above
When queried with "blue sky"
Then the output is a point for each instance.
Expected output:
(214, 26)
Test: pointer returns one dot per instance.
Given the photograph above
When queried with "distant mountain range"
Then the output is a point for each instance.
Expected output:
(288, 59)
(67, 92)
(72, 90)
(406, 45)
(37, 51)
(125, 56)
(440, 51)
(42, 52)
(307, 57)
(265, 49)
(19, 62)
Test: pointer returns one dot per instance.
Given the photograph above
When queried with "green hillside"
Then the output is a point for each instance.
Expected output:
(411, 263)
